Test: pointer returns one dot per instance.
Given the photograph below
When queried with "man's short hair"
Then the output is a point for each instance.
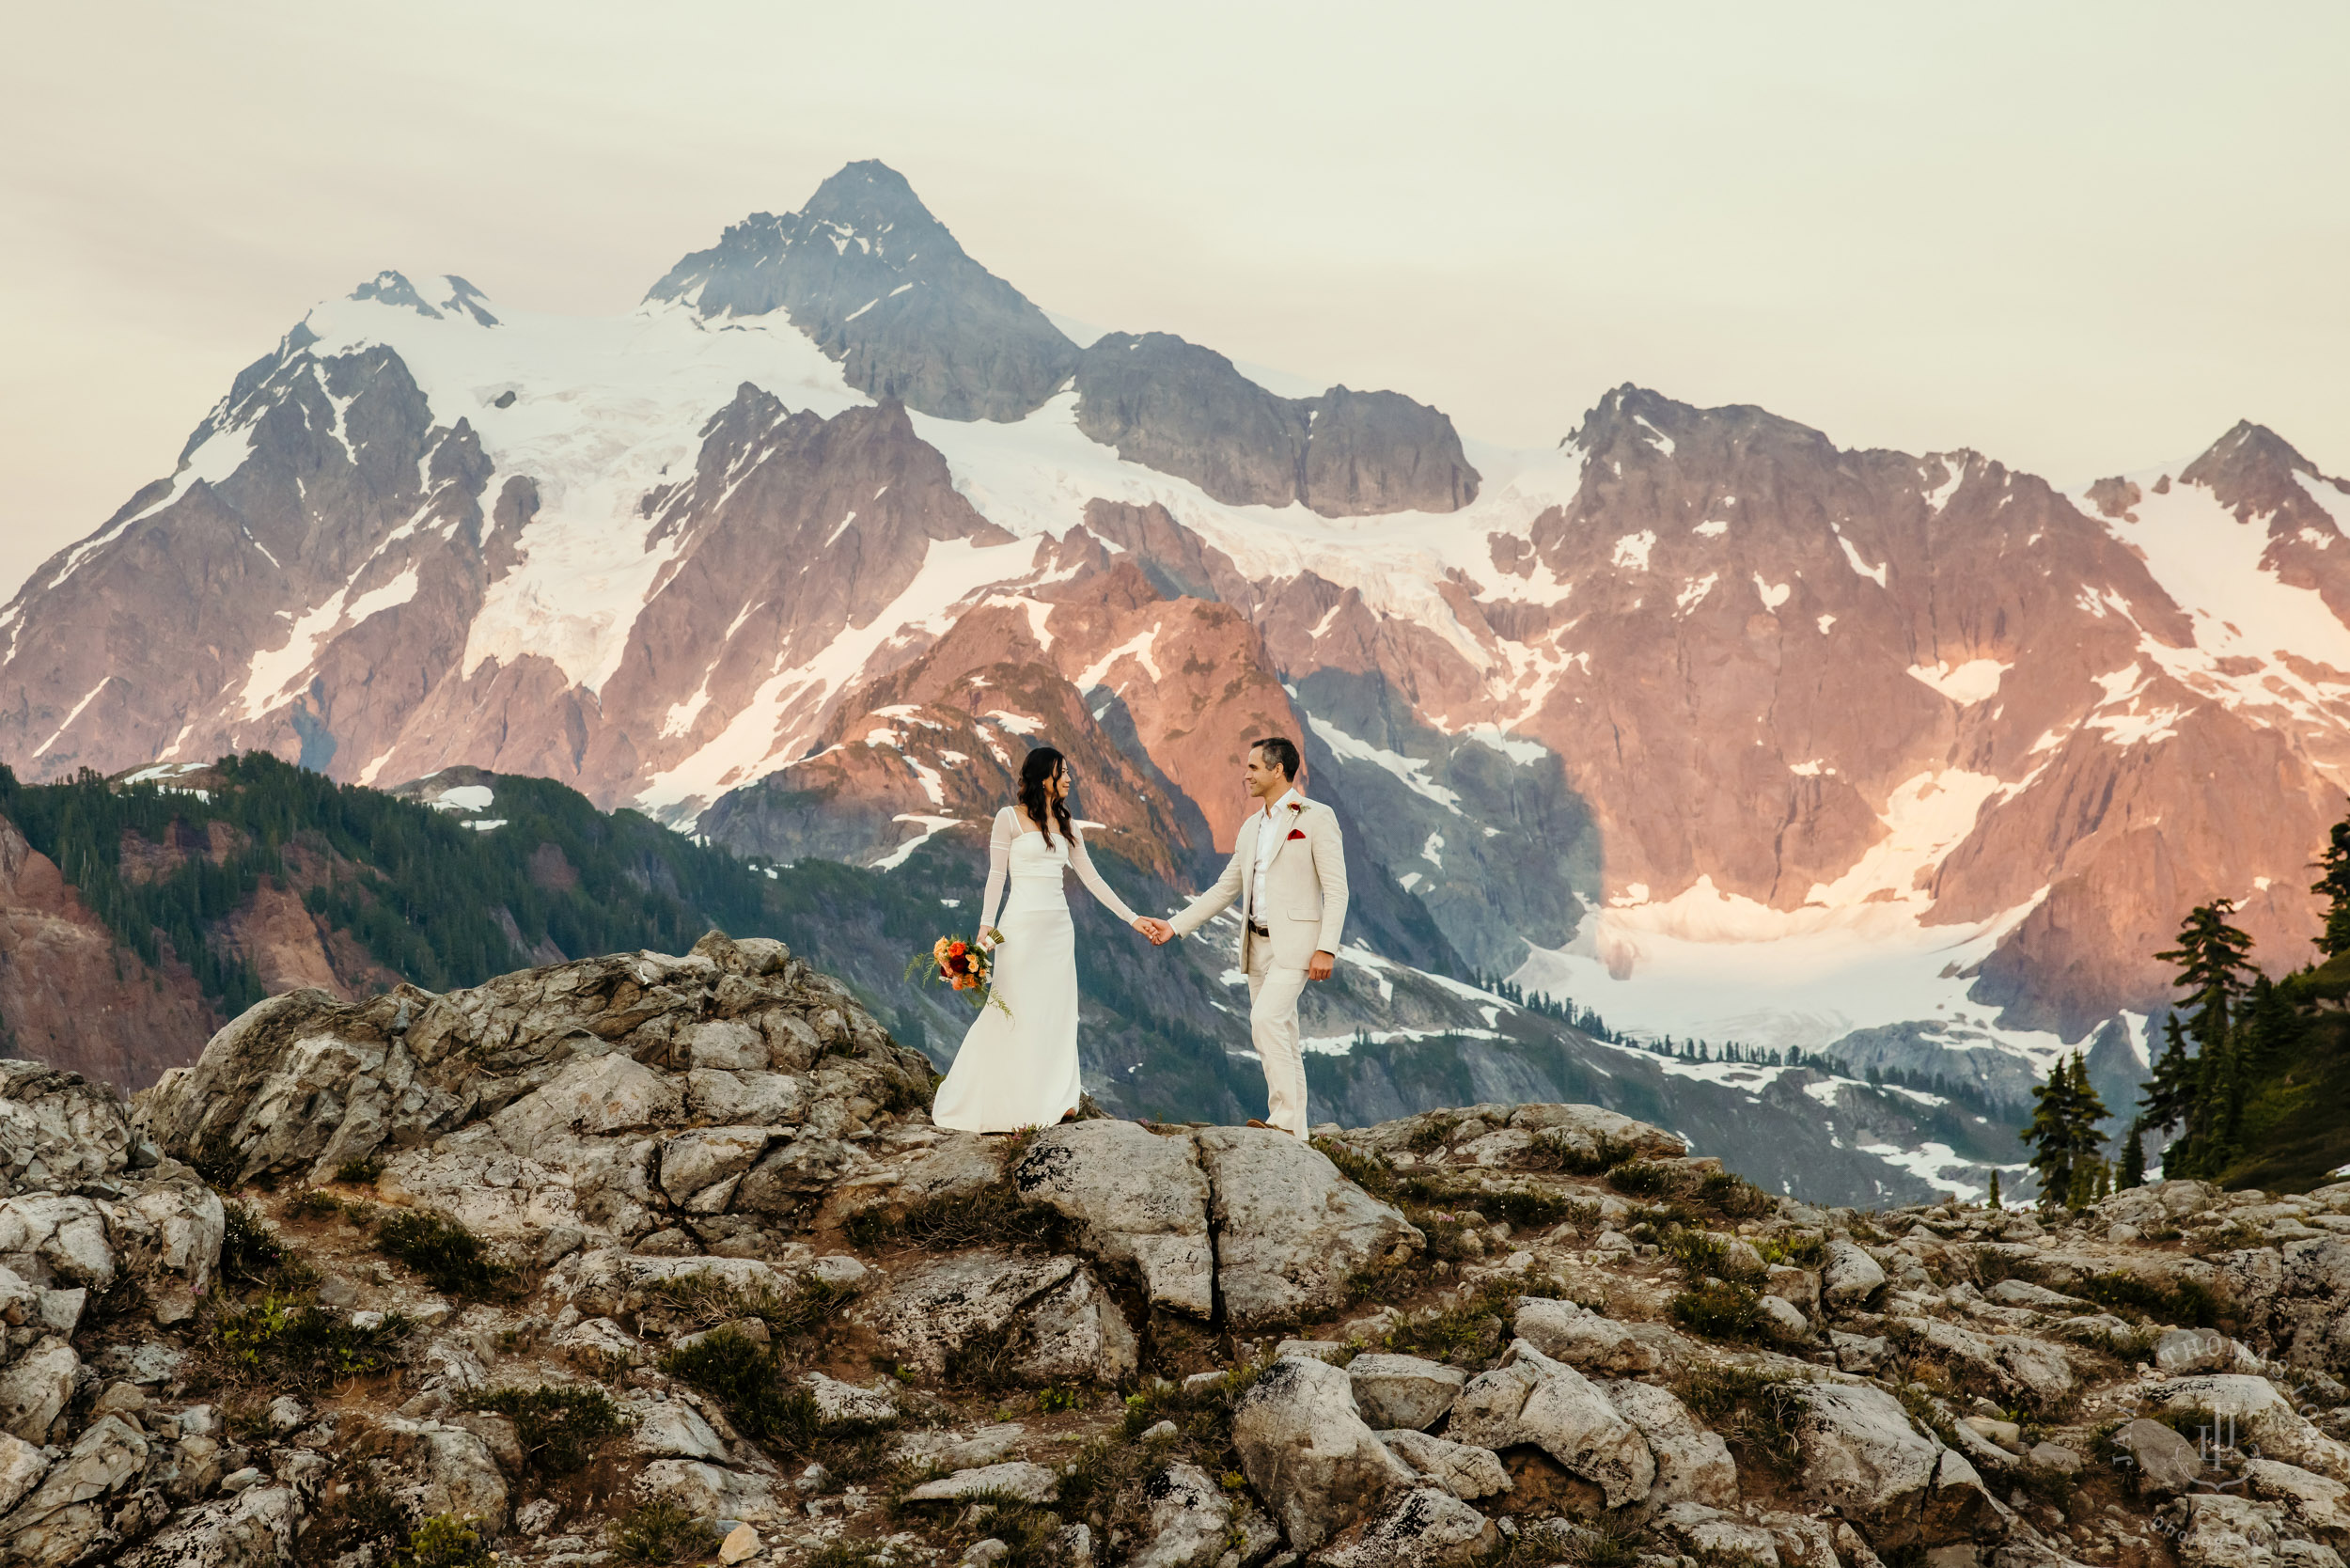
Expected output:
(1278, 752)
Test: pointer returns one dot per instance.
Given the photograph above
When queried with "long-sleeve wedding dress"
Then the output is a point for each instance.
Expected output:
(1018, 1066)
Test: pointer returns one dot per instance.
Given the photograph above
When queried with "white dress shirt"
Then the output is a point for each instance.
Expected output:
(1268, 837)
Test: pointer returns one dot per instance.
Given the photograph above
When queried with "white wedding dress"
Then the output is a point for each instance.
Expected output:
(1021, 1070)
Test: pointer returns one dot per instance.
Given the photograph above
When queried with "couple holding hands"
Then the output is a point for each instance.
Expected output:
(1018, 1066)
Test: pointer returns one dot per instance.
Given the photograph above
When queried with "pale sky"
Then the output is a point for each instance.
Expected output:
(2081, 237)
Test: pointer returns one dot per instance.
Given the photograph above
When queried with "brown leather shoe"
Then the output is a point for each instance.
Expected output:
(1266, 1125)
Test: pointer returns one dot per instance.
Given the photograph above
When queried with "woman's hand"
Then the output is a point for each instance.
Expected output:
(1157, 931)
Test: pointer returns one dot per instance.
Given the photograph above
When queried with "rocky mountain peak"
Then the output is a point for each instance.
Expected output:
(880, 286)
(2251, 471)
(872, 199)
(393, 289)
(1186, 410)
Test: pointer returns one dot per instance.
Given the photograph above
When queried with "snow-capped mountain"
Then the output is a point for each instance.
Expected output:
(1697, 717)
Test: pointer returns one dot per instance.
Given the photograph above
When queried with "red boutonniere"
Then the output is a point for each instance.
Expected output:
(1296, 806)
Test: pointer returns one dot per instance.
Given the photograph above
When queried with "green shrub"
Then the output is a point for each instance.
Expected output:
(352, 1513)
(1467, 1332)
(293, 1343)
(755, 1388)
(1559, 1151)
(1704, 1255)
(314, 1204)
(360, 1172)
(1734, 1197)
(559, 1429)
(1758, 1412)
(2187, 1303)
(250, 1251)
(992, 1216)
(1645, 1178)
(1798, 1249)
(446, 1541)
(1432, 1135)
(1369, 1173)
(1721, 1310)
(662, 1532)
(705, 1299)
(452, 1259)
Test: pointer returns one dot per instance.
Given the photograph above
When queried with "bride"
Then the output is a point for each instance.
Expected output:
(1018, 1066)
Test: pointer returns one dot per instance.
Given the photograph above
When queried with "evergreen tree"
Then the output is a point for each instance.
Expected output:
(2174, 1084)
(1994, 1188)
(2133, 1170)
(2213, 968)
(2063, 1134)
(2051, 1138)
(2334, 887)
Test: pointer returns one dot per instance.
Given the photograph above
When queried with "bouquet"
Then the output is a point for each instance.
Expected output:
(963, 966)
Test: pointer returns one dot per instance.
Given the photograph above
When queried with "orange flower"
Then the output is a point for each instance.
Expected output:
(955, 950)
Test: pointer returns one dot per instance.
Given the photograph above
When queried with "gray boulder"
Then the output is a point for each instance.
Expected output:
(1424, 1528)
(1048, 1315)
(22, 1465)
(35, 1388)
(1140, 1197)
(672, 1429)
(2222, 1529)
(2316, 1503)
(710, 1491)
(1565, 1331)
(1034, 1483)
(1861, 1456)
(68, 1517)
(1710, 1535)
(253, 1529)
(1403, 1390)
(1693, 1465)
(1186, 1516)
(1460, 1469)
(1850, 1277)
(2262, 1418)
(1532, 1398)
(444, 1468)
(1290, 1230)
(1307, 1450)
(2165, 1463)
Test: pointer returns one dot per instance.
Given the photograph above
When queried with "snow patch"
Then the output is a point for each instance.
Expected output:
(1965, 684)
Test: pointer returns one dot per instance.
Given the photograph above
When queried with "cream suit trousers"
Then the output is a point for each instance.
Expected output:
(1273, 993)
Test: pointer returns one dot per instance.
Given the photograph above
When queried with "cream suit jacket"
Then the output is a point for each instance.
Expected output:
(1304, 898)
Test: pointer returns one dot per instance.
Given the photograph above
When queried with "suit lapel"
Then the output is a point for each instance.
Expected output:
(1281, 826)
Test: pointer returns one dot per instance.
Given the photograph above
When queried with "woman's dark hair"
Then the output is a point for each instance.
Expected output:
(1036, 769)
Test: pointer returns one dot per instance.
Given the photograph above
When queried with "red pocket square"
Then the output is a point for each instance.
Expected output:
(1298, 833)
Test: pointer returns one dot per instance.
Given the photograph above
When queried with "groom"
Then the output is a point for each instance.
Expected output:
(1289, 874)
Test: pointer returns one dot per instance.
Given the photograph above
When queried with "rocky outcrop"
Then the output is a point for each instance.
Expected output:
(1290, 1231)
(1187, 411)
(1307, 1451)
(798, 1314)
(1141, 1198)
(1531, 1399)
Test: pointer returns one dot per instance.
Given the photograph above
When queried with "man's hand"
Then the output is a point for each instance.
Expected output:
(1320, 966)
(1158, 930)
